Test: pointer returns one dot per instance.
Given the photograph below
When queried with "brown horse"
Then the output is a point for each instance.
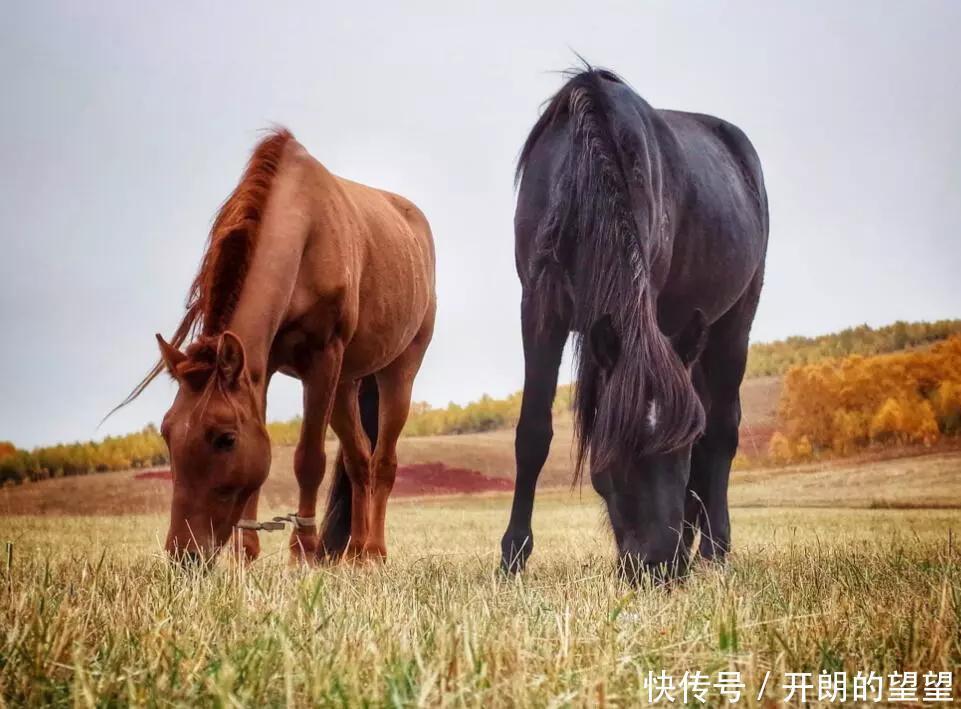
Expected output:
(323, 279)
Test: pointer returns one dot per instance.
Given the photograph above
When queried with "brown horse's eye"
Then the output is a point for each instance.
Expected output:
(225, 442)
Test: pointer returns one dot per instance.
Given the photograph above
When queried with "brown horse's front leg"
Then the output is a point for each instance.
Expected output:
(310, 459)
(394, 385)
(309, 463)
(246, 542)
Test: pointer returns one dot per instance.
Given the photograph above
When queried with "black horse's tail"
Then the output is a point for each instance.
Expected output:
(596, 244)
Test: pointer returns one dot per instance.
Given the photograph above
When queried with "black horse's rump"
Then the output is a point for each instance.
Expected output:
(596, 247)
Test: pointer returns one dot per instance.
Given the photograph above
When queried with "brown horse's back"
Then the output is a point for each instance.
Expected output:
(390, 286)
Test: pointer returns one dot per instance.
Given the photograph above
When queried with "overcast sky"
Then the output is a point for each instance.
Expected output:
(124, 125)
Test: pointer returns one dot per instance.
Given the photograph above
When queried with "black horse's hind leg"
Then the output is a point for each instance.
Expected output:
(710, 472)
(694, 508)
(543, 349)
(722, 366)
(336, 532)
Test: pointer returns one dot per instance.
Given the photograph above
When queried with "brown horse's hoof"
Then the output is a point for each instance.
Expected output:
(376, 552)
(303, 547)
(246, 546)
(365, 554)
(327, 558)
(358, 554)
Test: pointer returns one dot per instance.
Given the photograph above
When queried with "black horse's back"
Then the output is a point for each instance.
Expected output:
(644, 231)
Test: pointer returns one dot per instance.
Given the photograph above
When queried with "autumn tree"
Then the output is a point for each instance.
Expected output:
(842, 405)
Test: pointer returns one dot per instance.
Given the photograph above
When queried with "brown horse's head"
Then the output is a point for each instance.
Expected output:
(219, 448)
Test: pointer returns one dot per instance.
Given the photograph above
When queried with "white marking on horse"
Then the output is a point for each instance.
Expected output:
(652, 415)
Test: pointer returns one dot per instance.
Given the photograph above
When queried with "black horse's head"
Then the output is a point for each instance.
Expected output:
(640, 455)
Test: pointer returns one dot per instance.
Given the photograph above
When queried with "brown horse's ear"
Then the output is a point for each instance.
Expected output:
(170, 355)
(690, 341)
(605, 343)
(231, 358)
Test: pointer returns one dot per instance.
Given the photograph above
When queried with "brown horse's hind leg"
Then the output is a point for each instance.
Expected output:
(395, 389)
(355, 447)
(336, 531)
(394, 384)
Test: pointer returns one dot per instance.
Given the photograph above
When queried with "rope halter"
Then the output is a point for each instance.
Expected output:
(278, 523)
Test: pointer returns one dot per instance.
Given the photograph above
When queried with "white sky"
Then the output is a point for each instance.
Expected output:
(124, 125)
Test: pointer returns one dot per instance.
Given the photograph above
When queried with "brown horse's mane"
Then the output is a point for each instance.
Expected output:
(216, 288)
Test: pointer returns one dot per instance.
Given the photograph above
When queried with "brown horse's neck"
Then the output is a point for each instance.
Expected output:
(269, 284)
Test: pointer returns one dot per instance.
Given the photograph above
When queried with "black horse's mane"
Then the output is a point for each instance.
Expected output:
(558, 104)
(595, 248)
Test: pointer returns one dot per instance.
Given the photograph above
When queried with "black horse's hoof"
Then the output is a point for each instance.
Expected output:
(714, 550)
(515, 551)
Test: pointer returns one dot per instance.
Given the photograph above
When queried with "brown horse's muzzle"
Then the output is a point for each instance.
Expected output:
(195, 537)
(189, 559)
(188, 550)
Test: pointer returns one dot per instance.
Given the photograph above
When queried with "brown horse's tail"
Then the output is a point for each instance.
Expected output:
(336, 531)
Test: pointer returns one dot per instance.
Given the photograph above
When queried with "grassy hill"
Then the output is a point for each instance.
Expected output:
(760, 393)
(925, 481)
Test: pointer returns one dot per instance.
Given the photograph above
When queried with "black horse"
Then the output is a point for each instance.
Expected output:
(645, 231)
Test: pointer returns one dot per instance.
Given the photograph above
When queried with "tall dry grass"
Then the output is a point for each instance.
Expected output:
(90, 614)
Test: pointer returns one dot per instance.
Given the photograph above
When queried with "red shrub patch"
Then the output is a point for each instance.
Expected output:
(412, 480)
(438, 479)
(155, 474)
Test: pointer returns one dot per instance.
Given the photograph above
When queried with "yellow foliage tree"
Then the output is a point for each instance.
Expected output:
(888, 422)
(842, 405)
(779, 448)
(803, 450)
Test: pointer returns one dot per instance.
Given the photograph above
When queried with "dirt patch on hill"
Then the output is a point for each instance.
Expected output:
(156, 474)
(439, 479)
(754, 440)
(412, 480)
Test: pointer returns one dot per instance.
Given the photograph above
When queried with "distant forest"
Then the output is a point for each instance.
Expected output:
(766, 359)
(795, 355)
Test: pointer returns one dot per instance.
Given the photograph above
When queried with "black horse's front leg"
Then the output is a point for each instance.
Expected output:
(543, 348)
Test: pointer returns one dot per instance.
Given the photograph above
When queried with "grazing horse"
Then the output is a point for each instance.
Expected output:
(328, 281)
(645, 232)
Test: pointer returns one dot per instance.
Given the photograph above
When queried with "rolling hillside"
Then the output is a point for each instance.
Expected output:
(929, 481)
(427, 426)
(926, 481)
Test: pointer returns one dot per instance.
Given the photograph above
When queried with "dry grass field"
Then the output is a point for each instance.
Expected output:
(91, 614)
